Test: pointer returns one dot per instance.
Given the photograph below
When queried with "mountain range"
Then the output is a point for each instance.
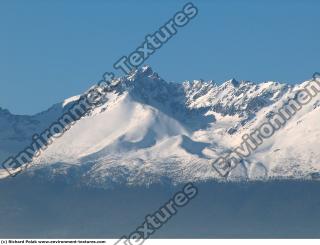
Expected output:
(147, 130)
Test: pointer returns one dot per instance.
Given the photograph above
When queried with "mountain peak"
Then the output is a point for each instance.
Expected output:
(233, 82)
(144, 71)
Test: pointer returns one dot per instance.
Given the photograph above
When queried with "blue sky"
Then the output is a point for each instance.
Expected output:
(51, 50)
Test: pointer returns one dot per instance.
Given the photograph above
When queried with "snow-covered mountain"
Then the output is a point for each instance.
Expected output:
(147, 130)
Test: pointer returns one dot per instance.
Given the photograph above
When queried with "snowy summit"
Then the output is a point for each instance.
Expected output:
(147, 130)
